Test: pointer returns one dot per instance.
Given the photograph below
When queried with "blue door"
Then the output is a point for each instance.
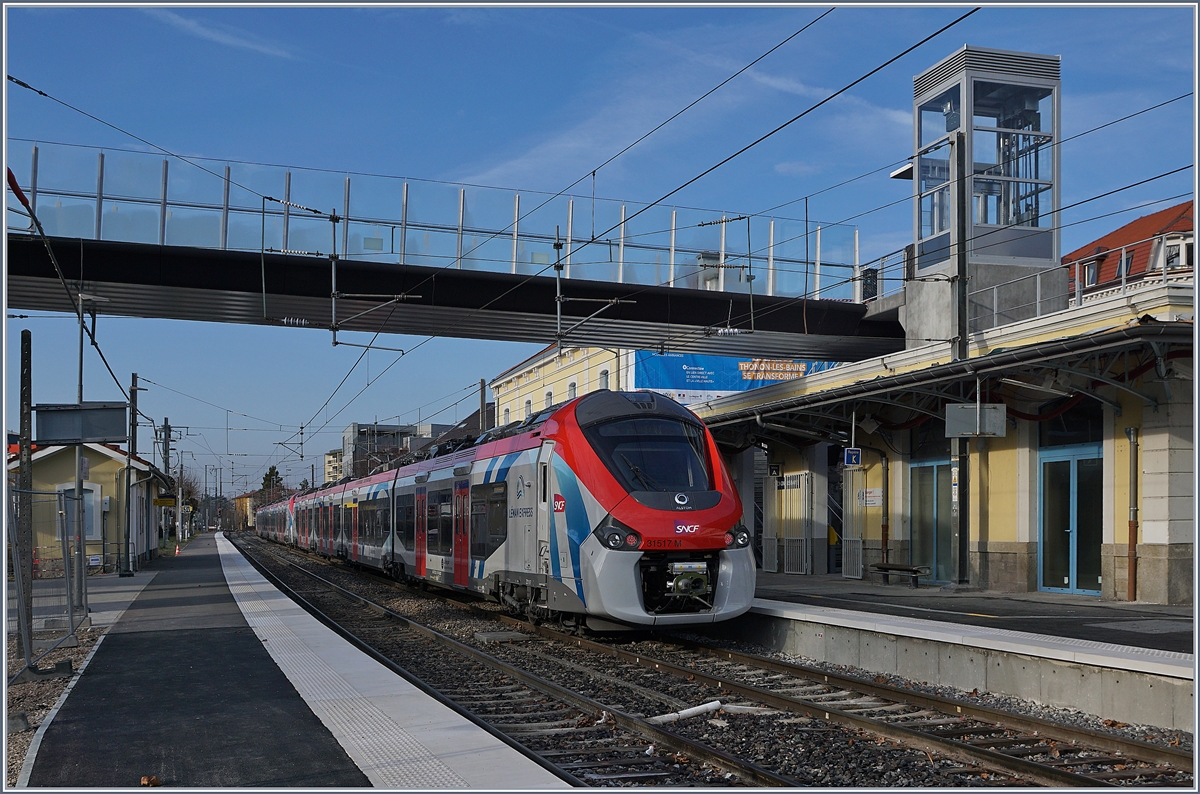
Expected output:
(1070, 518)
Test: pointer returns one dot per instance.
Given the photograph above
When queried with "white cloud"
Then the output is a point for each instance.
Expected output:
(221, 34)
(796, 168)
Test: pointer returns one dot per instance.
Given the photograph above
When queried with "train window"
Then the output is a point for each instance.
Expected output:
(447, 516)
(653, 454)
(489, 519)
(406, 520)
(439, 525)
(478, 525)
(376, 520)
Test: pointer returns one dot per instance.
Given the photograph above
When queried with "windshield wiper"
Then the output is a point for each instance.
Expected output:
(642, 478)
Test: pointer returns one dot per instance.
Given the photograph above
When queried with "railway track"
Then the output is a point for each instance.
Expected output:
(989, 746)
(584, 741)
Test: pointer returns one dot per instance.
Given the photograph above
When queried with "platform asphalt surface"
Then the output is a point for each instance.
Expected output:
(1160, 627)
(181, 688)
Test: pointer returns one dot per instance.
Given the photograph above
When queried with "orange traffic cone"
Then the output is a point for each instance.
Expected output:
(176, 549)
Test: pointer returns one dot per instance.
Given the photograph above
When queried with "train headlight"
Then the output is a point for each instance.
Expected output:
(614, 535)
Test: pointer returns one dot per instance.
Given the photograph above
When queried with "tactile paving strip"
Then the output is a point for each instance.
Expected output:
(386, 753)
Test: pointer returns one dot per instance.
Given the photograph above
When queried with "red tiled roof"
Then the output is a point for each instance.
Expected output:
(1172, 219)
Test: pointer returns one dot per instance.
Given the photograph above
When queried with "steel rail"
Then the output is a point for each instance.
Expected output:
(749, 772)
(1130, 748)
(991, 759)
(1040, 773)
(928, 742)
(1133, 749)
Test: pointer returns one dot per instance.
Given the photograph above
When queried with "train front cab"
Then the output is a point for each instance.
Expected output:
(642, 465)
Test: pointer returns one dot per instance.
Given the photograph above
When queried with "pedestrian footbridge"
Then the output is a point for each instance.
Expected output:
(235, 242)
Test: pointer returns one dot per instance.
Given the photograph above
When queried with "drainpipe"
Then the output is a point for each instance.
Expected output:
(1131, 432)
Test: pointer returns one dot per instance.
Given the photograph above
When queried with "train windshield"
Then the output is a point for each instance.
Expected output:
(652, 453)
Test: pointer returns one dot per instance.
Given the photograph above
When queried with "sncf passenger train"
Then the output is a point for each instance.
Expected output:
(614, 509)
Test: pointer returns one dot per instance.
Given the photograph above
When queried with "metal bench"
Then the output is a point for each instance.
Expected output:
(888, 570)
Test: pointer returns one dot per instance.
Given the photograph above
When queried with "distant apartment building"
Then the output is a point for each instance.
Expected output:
(367, 447)
(333, 465)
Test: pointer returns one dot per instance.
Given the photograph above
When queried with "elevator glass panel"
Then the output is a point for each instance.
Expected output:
(923, 510)
(944, 570)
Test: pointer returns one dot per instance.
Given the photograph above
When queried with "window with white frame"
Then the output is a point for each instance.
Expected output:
(92, 516)
(571, 390)
(1090, 273)
(528, 408)
(603, 379)
(549, 398)
(506, 419)
(1125, 264)
(1171, 259)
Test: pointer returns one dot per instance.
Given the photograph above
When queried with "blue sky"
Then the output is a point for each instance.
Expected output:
(531, 98)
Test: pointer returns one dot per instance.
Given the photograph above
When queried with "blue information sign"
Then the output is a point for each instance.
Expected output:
(852, 456)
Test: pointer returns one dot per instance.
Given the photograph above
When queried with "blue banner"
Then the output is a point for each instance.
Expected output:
(688, 377)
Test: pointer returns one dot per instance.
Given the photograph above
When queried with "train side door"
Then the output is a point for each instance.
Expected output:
(419, 535)
(545, 515)
(354, 541)
(462, 524)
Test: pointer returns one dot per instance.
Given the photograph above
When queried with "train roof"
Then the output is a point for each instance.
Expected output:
(590, 409)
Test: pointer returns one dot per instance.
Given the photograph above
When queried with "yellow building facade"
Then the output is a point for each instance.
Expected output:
(554, 376)
(105, 514)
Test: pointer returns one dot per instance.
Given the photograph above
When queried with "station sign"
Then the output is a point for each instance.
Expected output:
(968, 420)
(852, 456)
(81, 423)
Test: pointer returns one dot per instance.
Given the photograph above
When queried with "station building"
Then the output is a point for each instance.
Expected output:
(104, 513)
(1086, 360)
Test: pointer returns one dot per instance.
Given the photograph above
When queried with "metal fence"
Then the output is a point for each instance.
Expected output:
(1079, 283)
(112, 194)
(55, 611)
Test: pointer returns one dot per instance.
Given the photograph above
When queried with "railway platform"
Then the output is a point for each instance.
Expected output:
(1124, 661)
(210, 677)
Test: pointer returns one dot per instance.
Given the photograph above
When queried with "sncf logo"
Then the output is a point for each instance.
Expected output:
(686, 529)
(560, 504)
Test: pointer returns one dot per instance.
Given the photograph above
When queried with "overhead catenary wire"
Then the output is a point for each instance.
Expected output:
(707, 171)
(592, 173)
(1005, 161)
